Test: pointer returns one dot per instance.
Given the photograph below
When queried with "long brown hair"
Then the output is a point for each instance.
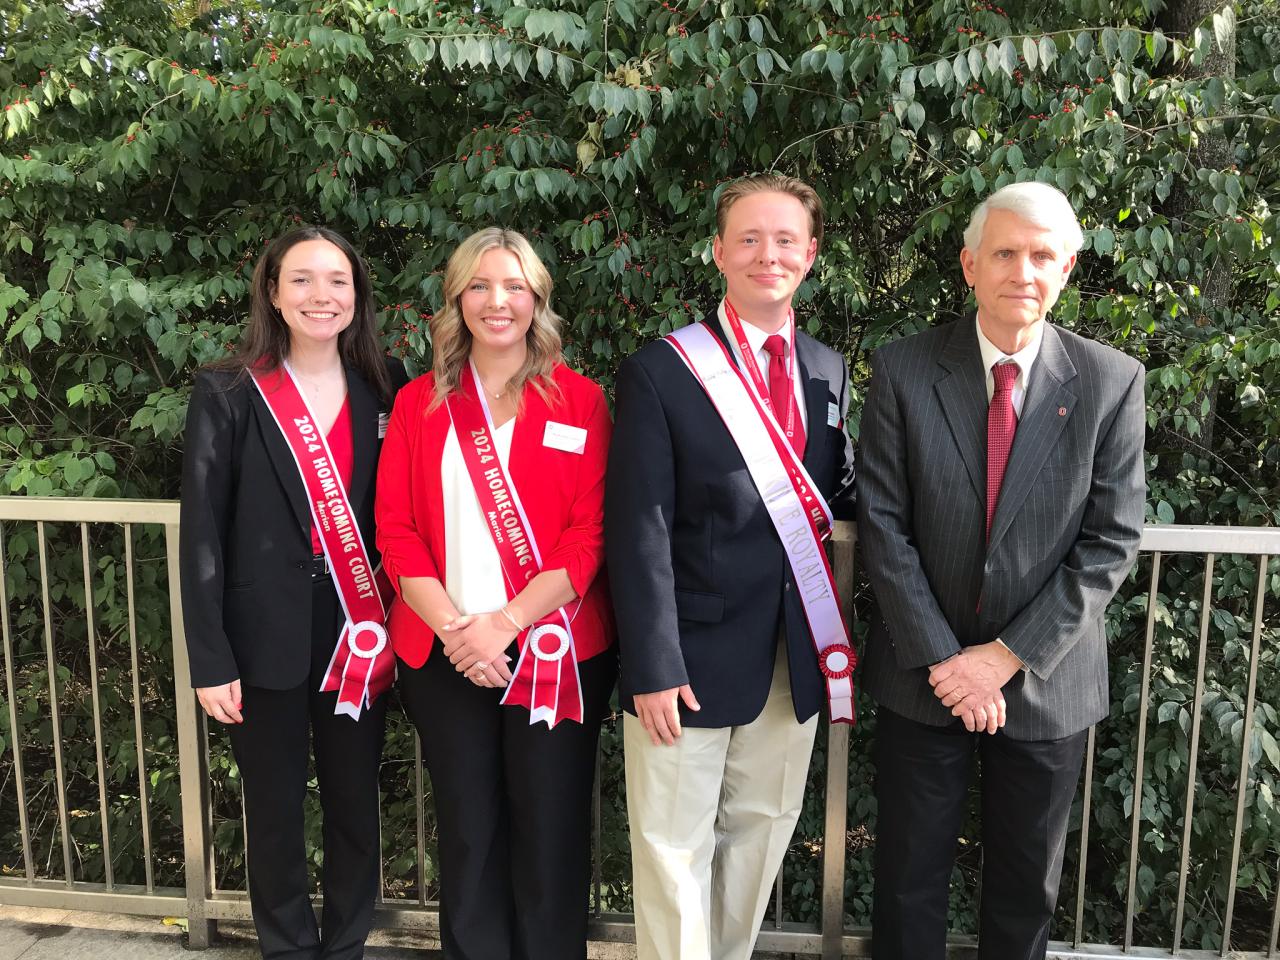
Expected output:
(265, 340)
(450, 338)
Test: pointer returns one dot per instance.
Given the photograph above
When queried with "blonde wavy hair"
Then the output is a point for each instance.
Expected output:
(451, 340)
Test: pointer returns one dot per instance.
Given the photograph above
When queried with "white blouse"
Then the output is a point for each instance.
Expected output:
(473, 573)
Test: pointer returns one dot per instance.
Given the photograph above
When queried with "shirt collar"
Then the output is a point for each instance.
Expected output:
(755, 336)
(1024, 358)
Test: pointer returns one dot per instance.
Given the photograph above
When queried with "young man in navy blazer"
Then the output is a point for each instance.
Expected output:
(719, 674)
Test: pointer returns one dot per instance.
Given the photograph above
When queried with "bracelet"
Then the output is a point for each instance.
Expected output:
(514, 622)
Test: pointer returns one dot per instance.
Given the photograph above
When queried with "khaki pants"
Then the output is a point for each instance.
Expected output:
(711, 818)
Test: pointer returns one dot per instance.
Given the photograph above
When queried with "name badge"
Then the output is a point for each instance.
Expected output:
(383, 419)
(562, 436)
(833, 415)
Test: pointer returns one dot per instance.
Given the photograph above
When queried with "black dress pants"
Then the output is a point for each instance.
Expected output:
(271, 747)
(513, 803)
(922, 782)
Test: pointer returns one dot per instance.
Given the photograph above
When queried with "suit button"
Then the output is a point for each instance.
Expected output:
(787, 587)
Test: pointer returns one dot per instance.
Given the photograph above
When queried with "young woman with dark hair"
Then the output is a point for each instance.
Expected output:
(284, 621)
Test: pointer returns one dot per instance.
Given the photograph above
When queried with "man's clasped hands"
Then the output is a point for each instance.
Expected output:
(970, 684)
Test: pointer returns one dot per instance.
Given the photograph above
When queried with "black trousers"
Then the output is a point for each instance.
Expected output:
(513, 804)
(922, 781)
(271, 747)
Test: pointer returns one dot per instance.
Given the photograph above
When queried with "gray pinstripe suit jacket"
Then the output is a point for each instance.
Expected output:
(1064, 536)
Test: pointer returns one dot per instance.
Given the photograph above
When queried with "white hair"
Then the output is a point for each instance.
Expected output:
(1040, 203)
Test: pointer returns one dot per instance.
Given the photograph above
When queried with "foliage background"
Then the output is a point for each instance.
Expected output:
(150, 150)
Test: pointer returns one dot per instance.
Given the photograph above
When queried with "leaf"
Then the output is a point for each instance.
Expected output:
(835, 64)
(1130, 44)
(915, 115)
(1224, 27)
(546, 61)
(907, 82)
(750, 99)
(755, 30)
(1214, 93)
(1008, 57)
(1110, 43)
(542, 183)
(1269, 746)
(961, 69)
(1030, 53)
(138, 294)
(1156, 46)
(1048, 52)
(942, 72)
(764, 63)
(1120, 81)
(521, 60)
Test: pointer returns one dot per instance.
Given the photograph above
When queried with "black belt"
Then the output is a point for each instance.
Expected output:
(317, 566)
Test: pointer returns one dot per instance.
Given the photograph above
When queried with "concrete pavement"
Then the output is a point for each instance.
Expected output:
(28, 933)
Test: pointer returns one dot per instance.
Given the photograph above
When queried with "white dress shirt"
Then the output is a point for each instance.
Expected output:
(756, 338)
(1024, 358)
(472, 571)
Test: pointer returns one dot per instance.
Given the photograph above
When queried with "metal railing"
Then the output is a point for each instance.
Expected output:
(199, 900)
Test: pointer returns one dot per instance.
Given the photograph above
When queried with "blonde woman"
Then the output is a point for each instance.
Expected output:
(490, 513)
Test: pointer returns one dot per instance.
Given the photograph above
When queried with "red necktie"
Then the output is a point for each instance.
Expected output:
(781, 396)
(1001, 426)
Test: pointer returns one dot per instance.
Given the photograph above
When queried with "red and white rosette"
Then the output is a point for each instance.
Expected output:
(362, 667)
(545, 679)
(799, 513)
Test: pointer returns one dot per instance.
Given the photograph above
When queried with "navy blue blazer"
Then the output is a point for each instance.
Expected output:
(701, 585)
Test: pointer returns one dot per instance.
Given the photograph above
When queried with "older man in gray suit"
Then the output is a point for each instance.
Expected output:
(1000, 499)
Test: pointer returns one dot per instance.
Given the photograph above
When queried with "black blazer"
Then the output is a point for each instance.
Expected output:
(699, 578)
(1065, 532)
(245, 544)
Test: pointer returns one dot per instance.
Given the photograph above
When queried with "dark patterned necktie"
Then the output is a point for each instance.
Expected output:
(781, 396)
(1001, 426)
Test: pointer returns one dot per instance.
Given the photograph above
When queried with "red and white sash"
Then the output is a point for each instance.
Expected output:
(798, 511)
(546, 675)
(362, 667)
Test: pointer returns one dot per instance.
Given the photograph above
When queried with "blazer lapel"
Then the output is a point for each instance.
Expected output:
(282, 459)
(962, 394)
(1046, 411)
(364, 433)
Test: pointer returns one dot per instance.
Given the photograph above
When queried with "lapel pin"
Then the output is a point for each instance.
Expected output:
(1062, 411)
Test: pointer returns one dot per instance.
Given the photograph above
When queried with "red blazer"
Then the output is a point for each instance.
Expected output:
(563, 494)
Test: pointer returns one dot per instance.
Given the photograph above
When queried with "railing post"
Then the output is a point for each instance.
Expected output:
(837, 810)
(833, 846)
(193, 767)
